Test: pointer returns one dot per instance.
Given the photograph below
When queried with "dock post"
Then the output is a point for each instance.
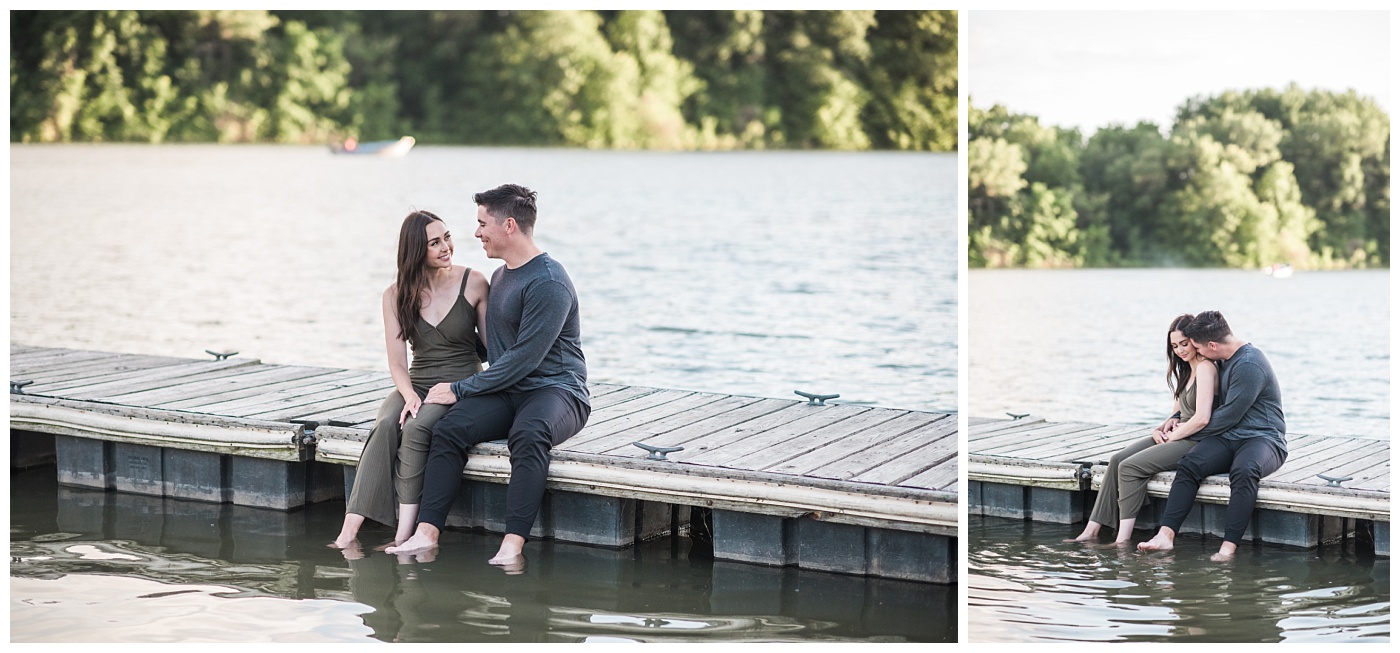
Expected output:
(264, 483)
(1002, 500)
(827, 546)
(748, 537)
(974, 497)
(911, 556)
(1054, 505)
(197, 475)
(137, 468)
(1382, 537)
(82, 462)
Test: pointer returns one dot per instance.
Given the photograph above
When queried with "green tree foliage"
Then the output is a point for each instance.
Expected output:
(621, 79)
(165, 75)
(1244, 179)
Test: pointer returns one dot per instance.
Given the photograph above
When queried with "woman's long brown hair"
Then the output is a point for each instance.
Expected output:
(413, 271)
(1178, 371)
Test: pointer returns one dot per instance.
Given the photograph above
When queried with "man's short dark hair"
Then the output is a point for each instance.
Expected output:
(510, 201)
(1209, 326)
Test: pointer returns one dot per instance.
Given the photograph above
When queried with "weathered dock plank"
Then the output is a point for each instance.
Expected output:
(220, 385)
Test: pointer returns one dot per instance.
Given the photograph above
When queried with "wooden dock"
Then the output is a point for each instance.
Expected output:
(788, 483)
(1035, 469)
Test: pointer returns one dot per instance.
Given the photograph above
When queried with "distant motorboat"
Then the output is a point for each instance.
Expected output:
(396, 148)
(1279, 270)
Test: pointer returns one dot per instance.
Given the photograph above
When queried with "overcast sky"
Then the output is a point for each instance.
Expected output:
(1088, 69)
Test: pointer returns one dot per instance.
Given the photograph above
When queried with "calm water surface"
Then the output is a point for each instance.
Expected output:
(1090, 345)
(752, 273)
(1025, 584)
(109, 567)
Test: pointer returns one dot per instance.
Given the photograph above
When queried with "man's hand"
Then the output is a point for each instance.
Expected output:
(441, 394)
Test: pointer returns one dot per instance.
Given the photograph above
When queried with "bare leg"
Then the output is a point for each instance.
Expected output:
(509, 553)
(1125, 530)
(1227, 552)
(1162, 541)
(426, 537)
(408, 516)
(1091, 532)
(348, 531)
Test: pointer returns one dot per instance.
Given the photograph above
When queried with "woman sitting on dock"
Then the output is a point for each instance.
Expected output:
(1192, 379)
(436, 307)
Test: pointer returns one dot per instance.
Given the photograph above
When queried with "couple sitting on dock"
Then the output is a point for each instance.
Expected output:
(1238, 429)
(533, 395)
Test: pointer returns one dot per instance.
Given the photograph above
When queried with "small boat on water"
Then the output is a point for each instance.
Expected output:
(1279, 270)
(396, 148)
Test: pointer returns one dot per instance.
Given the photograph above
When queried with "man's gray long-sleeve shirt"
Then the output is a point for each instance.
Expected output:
(1252, 404)
(532, 333)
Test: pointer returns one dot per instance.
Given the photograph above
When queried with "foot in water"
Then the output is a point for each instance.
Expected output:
(510, 552)
(1091, 533)
(1162, 541)
(1225, 554)
(424, 539)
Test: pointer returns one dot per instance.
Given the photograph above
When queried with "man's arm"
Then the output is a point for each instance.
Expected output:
(546, 307)
(1246, 382)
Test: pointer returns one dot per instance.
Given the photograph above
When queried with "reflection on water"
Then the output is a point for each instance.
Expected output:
(1025, 584)
(95, 566)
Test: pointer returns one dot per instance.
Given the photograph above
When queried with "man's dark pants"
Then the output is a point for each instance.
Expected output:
(1247, 460)
(531, 422)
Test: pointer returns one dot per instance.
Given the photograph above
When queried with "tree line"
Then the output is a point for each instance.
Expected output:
(605, 79)
(1242, 179)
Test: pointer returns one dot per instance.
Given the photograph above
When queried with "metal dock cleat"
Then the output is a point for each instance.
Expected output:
(658, 453)
(17, 386)
(815, 399)
(1334, 481)
(220, 355)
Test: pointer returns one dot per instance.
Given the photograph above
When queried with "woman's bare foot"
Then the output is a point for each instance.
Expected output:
(1162, 541)
(425, 538)
(351, 552)
(390, 543)
(349, 530)
(1091, 533)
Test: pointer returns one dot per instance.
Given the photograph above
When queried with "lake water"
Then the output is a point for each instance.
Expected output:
(1025, 584)
(89, 566)
(755, 273)
(1090, 345)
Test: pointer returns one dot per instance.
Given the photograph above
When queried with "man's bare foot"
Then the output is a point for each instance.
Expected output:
(426, 537)
(1225, 554)
(422, 556)
(512, 567)
(510, 551)
(1162, 541)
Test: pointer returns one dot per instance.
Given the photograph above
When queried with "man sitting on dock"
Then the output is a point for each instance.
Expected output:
(1245, 435)
(533, 394)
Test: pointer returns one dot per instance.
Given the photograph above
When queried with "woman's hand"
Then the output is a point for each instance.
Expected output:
(1158, 435)
(411, 404)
